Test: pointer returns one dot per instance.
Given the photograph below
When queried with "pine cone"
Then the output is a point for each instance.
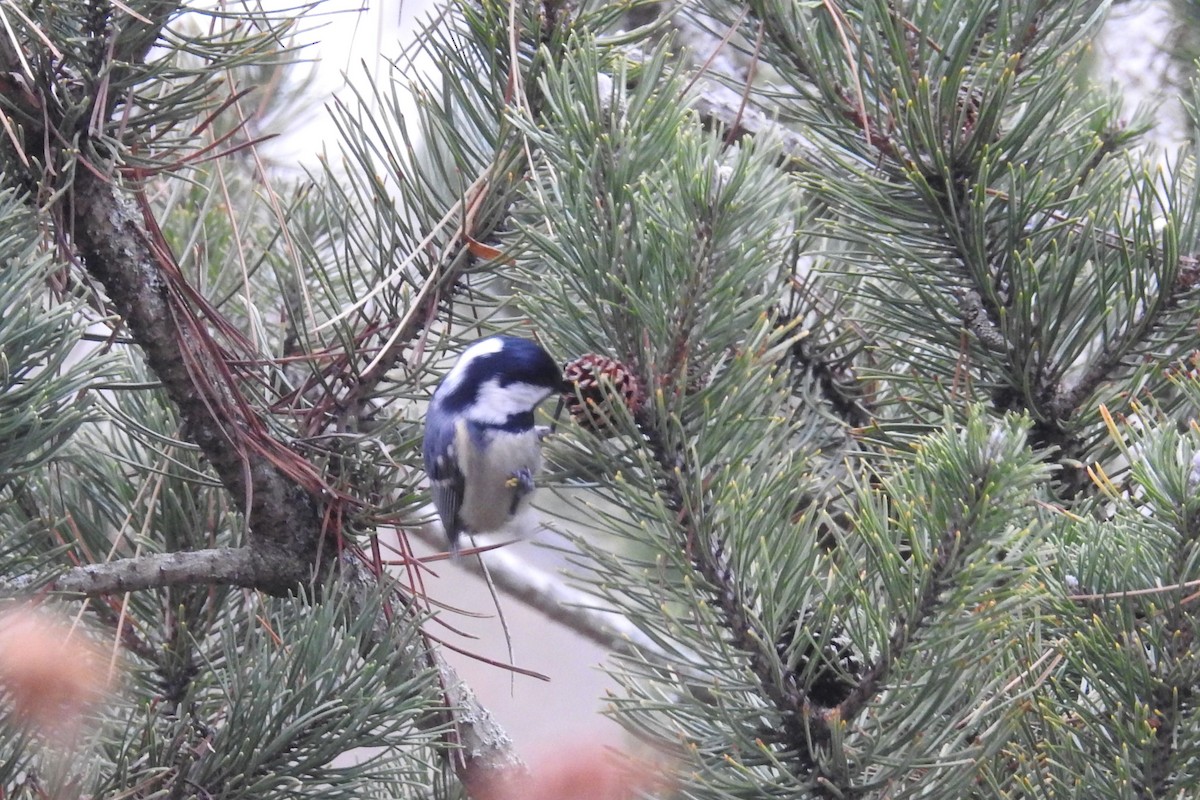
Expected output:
(596, 382)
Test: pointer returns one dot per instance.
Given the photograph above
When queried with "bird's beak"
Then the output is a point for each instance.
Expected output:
(558, 407)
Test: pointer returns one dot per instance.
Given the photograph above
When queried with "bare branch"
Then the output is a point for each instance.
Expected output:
(236, 566)
(551, 596)
(486, 750)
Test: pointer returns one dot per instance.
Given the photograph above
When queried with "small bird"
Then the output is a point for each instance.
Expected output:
(482, 448)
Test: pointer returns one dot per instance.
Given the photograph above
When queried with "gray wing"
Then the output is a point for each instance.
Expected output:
(445, 478)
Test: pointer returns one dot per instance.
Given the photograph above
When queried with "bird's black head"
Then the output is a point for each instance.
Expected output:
(499, 378)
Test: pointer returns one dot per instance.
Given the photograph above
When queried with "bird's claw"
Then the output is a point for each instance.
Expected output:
(522, 481)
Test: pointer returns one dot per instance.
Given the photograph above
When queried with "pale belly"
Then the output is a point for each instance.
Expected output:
(491, 489)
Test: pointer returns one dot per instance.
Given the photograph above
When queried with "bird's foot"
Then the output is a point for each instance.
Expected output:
(522, 482)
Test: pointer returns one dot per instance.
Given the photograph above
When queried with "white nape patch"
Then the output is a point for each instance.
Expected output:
(483, 347)
(495, 403)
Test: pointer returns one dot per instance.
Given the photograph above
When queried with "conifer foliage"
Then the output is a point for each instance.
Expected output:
(882, 323)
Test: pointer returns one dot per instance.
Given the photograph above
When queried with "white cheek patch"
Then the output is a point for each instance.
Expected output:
(495, 403)
(483, 347)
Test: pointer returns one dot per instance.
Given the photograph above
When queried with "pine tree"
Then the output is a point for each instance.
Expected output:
(882, 322)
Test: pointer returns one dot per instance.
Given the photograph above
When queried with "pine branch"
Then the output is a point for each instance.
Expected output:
(1167, 702)
(282, 496)
(285, 525)
(1067, 399)
(458, 235)
(946, 562)
(1171, 699)
(285, 520)
(836, 381)
(803, 722)
(483, 749)
(1135, 579)
(937, 581)
(116, 246)
(476, 729)
(481, 212)
(134, 41)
